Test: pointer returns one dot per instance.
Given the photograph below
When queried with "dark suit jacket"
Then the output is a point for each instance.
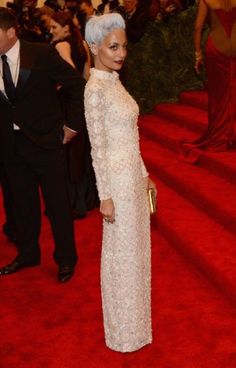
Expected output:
(37, 110)
(136, 25)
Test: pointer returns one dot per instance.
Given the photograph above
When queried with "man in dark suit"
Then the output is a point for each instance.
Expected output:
(32, 139)
(137, 17)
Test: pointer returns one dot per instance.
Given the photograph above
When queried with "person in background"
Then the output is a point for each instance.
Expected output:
(34, 27)
(112, 6)
(122, 182)
(51, 4)
(220, 60)
(67, 40)
(33, 133)
(71, 5)
(45, 14)
(79, 17)
(86, 6)
(73, 8)
(167, 8)
(137, 18)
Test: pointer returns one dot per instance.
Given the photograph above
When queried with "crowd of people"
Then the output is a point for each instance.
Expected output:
(35, 21)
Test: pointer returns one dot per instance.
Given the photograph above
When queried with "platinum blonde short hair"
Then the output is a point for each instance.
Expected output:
(99, 26)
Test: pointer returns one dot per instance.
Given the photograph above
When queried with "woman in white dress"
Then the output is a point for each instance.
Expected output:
(122, 182)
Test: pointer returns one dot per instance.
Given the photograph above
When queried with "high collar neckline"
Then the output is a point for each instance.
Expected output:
(102, 74)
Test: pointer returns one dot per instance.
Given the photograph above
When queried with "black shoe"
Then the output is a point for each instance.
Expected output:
(65, 273)
(16, 266)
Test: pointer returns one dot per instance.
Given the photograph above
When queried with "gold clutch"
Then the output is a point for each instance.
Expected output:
(152, 198)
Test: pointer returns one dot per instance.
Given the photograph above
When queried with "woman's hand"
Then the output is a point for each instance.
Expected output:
(198, 61)
(107, 210)
(198, 64)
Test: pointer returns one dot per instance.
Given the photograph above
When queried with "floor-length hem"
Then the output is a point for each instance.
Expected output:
(129, 348)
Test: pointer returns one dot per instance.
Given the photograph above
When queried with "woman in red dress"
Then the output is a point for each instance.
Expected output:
(221, 72)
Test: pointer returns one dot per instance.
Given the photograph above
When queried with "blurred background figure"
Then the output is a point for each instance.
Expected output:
(137, 17)
(110, 6)
(68, 41)
(86, 6)
(79, 16)
(72, 48)
(167, 8)
(33, 21)
(221, 73)
(45, 14)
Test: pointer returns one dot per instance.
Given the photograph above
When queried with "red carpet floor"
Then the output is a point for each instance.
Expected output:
(45, 324)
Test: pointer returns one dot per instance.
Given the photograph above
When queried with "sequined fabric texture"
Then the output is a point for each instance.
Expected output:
(111, 117)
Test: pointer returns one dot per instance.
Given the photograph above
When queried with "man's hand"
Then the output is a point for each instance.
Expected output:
(68, 134)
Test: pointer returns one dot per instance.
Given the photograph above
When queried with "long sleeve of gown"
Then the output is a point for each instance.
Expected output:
(95, 120)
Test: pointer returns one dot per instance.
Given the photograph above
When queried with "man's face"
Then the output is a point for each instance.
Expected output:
(7, 39)
(130, 5)
(88, 9)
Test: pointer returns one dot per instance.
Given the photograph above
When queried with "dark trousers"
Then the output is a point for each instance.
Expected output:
(7, 200)
(33, 167)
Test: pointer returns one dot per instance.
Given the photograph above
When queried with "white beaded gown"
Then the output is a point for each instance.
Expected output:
(111, 117)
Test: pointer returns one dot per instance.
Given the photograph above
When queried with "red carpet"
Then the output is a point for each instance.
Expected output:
(200, 219)
(45, 324)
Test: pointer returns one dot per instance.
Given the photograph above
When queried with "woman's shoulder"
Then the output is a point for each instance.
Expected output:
(94, 85)
(95, 92)
(62, 45)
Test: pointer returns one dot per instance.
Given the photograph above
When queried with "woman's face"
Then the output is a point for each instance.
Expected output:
(111, 53)
(58, 32)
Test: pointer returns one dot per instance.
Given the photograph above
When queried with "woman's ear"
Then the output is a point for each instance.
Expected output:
(94, 49)
(66, 29)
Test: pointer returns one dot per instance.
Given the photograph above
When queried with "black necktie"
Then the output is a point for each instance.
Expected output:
(9, 86)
